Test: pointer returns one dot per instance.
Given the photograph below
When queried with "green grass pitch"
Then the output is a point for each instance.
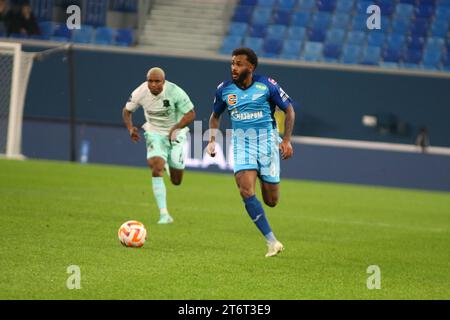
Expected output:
(54, 215)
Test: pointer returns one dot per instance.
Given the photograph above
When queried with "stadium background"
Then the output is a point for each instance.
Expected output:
(332, 98)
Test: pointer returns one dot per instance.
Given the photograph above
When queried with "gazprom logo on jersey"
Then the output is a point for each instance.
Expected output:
(236, 115)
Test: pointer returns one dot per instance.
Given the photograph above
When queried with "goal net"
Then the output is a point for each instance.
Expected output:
(15, 68)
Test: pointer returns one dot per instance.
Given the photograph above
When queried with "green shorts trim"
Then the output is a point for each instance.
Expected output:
(159, 146)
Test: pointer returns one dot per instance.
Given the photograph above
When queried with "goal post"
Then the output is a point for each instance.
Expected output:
(15, 68)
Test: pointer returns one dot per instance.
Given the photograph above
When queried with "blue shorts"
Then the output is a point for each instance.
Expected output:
(257, 149)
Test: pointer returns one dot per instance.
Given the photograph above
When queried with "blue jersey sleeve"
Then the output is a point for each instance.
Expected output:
(278, 96)
(219, 105)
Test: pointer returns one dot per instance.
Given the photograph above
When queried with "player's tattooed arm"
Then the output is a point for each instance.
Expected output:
(132, 130)
(285, 146)
(214, 122)
(185, 121)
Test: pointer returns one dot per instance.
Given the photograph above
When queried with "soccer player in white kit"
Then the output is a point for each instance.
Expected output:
(168, 111)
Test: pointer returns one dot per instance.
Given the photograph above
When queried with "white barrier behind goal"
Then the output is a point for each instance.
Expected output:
(15, 68)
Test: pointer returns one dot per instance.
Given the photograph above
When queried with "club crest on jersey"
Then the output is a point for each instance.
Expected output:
(166, 103)
(232, 99)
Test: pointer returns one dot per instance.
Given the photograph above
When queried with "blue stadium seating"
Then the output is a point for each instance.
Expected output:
(124, 37)
(83, 35)
(335, 36)
(307, 5)
(291, 47)
(332, 50)
(238, 28)
(254, 43)
(356, 37)
(300, 19)
(371, 56)
(351, 54)
(47, 29)
(273, 46)
(413, 32)
(104, 36)
(282, 16)
(312, 51)
(295, 33)
(276, 31)
(287, 4)
(230, 43)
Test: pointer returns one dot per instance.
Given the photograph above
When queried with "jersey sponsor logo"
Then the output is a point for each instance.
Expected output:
(256, 96)
(232, 99)
(272, 81)
(236, 115)
(260, 86)
(284, 96)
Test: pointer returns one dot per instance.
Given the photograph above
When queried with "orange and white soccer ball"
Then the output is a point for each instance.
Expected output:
(132, 234)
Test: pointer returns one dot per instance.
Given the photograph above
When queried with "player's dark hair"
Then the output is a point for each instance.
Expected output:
(251, 55)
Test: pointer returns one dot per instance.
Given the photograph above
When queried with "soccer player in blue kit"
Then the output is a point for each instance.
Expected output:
(251, 101)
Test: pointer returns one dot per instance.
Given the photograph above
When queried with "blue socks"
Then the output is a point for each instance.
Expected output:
(256, 212)
(159, 191)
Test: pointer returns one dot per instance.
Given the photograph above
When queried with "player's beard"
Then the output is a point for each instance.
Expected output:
(240, 80)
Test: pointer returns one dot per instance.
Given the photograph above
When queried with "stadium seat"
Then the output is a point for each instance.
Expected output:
(46, 28)
(300, 19)
(266, 3)
(321, 20)
(435, 44)
(238, 28)
(332, 50)
(61, 31)
(415, 42)
(261, 16)
(371, 56)
(386, 8)
(242, 14)
(273, 46)
(257, 31)
(316, 35)
(326, 5)
(356, 37)
(248, 2)
(419, 27)
(439, 28)
(230, 43)
(335, 36)
(312, 51)
(287, 4)
(361, 6)
(351, 54)
(104, 36)
(282, 16)
(359, 22)
(446, 60)
(291, 47)
(375, 39)
(83, 35)
(307, 5)
(395, 41)
(276, 31)
(254, 43)
(431, 59)
(344, 6)
(442, 14)
(404, 10)
(412, 56)
(392, 55)
(295, 33)
(424, 11)
(124, 37)
(340, 20)
(400, 25)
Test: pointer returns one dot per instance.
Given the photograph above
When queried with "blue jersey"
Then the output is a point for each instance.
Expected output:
(254, 107)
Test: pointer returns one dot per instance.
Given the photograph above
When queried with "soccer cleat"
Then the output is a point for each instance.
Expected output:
(274, 248)
(165, 219)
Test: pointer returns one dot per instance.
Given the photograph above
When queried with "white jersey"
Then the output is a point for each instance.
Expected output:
(163, 111)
